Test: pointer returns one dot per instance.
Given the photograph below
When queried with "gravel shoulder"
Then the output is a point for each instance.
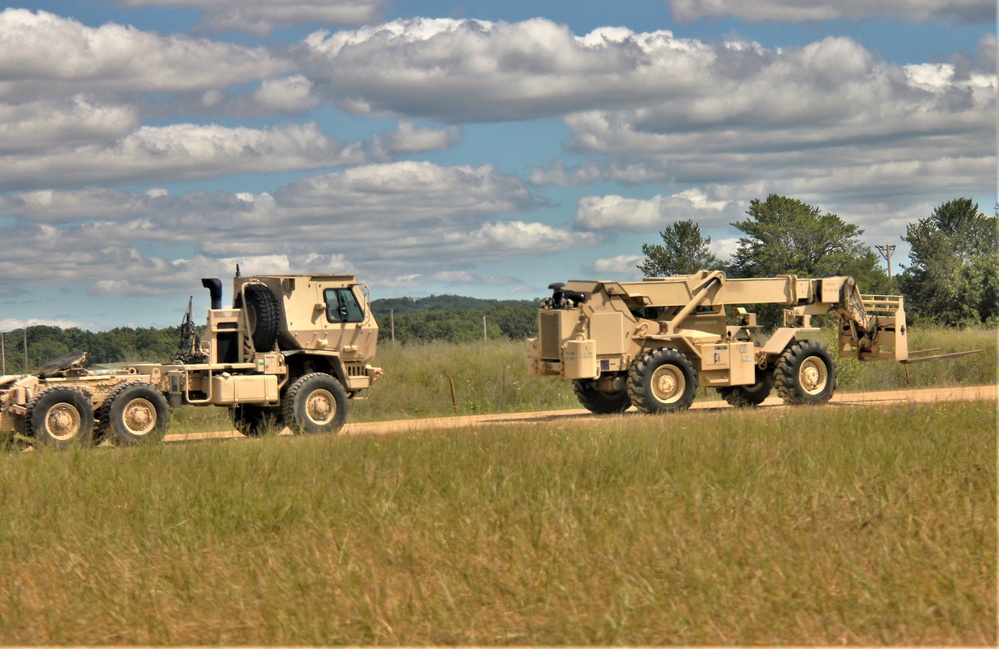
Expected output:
(925, 395)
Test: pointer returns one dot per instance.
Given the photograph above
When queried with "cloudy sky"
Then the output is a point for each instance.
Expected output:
(473, 147)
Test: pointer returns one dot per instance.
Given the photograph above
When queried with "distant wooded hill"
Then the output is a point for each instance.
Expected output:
(454, 318)
(403, 305)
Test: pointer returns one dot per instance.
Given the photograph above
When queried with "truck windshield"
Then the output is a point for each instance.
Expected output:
(342, 305)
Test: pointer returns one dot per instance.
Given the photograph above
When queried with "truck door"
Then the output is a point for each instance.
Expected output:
(344, 317)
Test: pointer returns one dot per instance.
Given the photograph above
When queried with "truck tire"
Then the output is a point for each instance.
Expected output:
(805, 374)
(60, 417)
(662, 380)
(744, 396)
(136, 413)
(254, 421)
(599, 402)
(263, 316)
(315, 403)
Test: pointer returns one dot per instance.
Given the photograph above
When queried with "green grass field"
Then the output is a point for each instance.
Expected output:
(833, 525)
(830, 525)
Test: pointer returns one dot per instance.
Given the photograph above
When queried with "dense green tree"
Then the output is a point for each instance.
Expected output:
(953, 271)
(787, 236)
(683, 251)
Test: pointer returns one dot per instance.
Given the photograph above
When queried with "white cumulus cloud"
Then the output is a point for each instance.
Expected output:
(261, 16)
(956, 11)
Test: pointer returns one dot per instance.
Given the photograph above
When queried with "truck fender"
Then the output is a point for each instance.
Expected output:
(324, 361)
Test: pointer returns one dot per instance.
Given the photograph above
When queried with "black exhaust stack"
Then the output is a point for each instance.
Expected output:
(214, 286)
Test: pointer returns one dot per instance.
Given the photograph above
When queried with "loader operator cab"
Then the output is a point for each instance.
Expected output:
(563, 299)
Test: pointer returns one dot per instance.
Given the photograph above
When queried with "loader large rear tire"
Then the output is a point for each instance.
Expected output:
(662, 380)
(599, 402)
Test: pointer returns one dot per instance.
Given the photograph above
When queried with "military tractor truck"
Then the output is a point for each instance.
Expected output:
(290, 352)
(651, 343)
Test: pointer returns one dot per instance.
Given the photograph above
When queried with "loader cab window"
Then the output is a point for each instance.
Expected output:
(342, 305)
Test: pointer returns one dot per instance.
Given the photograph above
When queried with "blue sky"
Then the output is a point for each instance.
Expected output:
(477, 148)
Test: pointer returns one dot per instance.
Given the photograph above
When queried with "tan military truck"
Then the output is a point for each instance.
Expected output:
(651, 343)
(290, 352)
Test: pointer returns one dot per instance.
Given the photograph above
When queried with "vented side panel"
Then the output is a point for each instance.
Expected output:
(550, 336)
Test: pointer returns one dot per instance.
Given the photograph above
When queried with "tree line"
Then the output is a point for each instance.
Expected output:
(951, 278)
(454, 318)
(44, 343)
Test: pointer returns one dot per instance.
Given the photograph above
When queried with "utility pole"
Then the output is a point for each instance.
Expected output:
(886, 251)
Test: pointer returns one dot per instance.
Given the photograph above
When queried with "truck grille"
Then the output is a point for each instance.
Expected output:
(550, 335)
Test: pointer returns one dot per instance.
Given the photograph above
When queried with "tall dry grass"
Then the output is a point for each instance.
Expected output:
(835, 525)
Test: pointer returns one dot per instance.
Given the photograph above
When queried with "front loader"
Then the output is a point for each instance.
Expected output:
(650, 344)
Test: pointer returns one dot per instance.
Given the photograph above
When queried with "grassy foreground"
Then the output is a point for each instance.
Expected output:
(800, 526)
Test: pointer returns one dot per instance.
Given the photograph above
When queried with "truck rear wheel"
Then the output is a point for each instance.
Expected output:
(742, 396)
(263, 316)
(599, 402)
(60, 417)
(315, 403)
(805, 374)
(254, 421)
(138, 414)
(663, 380)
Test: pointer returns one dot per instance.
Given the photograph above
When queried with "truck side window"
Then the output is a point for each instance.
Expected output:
(342, 305)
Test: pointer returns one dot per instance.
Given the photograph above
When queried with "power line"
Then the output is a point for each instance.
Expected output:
(886, 251)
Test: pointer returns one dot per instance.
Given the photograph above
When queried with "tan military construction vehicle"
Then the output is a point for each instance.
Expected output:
(651, 343)
(290, 352)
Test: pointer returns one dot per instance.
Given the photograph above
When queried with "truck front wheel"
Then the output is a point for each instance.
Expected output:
(599, 402)
(663, 380)
(315, 403)
(805, 374)
(60, 417)
(138, 414)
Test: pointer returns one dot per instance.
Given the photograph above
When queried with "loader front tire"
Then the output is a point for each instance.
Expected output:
(315, 403)
(138, 414)
(60, 417)
(599, 402)
(662, 380)
(805, 374)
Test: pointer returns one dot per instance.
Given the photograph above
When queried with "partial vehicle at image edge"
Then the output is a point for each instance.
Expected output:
(292, 351)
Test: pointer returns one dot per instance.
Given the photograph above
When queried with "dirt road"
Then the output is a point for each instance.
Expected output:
(928, 395)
